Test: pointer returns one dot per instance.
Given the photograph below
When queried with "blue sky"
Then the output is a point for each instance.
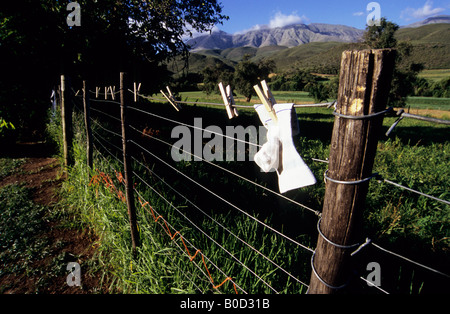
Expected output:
(250, 14)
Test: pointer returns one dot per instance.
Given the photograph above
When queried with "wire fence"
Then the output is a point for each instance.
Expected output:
(170, 180)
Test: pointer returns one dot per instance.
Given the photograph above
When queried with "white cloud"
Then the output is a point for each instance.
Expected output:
(195, 33)
(358, 14)
(281, 20)
(421, 13)
(278, 20)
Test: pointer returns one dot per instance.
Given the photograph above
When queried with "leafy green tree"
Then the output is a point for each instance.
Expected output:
(213, 75)
(405, 72)
(318, 91)
(248, 74)
(138, 37)
(382, 36)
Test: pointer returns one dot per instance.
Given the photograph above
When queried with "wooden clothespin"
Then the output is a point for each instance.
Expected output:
(171, 99)
(137, 88)
(97, 90)
(106, 92)
(228, 100)
(267, 99)
(113, 92)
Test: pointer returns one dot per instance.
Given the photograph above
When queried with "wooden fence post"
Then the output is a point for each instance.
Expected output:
(365, 81)
(66, 117)
(87, 123)
(127, 165)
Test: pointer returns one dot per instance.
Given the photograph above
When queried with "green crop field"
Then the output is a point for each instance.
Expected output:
(435, 75)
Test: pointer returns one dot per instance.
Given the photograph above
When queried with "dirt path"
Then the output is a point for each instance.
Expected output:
(48, 273)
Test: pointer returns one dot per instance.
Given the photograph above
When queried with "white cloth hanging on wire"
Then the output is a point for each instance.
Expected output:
(279, 152)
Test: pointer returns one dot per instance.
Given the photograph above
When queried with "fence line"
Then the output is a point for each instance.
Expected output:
(172, 236)
(372, 243)
(316, 212)
(97, 136)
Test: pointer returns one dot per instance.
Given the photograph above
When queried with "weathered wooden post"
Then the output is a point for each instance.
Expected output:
(365, 81)
(87, 123)
(66, 117)
(127, 165)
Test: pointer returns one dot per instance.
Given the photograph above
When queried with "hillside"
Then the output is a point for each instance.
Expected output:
(439, 19)
(431, 46)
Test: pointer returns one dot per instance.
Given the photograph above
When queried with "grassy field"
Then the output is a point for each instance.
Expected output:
(435, 75)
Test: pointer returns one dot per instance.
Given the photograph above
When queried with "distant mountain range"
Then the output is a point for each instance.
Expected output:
(440, 19)
(290, 36)
(315, 46)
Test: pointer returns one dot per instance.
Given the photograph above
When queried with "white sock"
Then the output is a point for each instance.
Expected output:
(279, 152)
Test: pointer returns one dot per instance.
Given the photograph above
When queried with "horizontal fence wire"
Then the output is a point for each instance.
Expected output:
(416, 192)
(410, 260)
(381, 179)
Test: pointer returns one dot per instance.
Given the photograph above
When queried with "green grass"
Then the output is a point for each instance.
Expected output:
(435, 75)
(9, 165)
(26, 252)
(21, 224)
(429, 103)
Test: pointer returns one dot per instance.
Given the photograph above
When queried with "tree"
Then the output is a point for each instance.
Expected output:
(405, 73)
(318, 91)
(248, 74)
(382, 36)
(213, 75)
(37, 45)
